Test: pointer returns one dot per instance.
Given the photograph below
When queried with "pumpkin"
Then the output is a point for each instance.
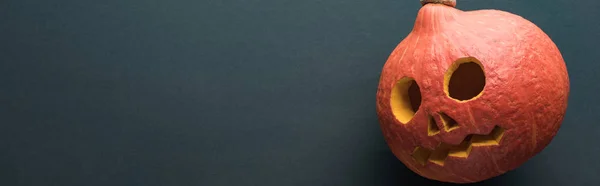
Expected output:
(469, 95)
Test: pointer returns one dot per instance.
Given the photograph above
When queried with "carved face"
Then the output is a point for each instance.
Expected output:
(463, 82)
(456, 122)
(471, 115)
(470, 95)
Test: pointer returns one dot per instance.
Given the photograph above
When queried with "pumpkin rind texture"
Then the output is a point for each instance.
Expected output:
(470, 95)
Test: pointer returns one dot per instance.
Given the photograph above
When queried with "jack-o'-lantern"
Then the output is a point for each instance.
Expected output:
(470, 95)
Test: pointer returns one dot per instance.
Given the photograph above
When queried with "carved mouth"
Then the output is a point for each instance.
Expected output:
(439, 154)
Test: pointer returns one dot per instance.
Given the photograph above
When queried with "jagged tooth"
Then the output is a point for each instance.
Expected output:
(439, 155)
(421, 155)
(493, 138)
(442, 151)
(463, 149)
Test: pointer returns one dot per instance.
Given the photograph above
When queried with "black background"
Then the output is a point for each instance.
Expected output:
(241, 92)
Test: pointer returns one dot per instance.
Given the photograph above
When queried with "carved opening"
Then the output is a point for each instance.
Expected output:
(442, 151)
(405, 99)
(463, 149)
(486, 140)
(449, 123)
(432, 128)
(465, 79)
(439, 155)
(421, 155)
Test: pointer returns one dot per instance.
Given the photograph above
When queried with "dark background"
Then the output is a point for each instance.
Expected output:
(241, 92)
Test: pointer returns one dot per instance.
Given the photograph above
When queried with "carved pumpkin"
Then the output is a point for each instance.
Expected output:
(470, 95)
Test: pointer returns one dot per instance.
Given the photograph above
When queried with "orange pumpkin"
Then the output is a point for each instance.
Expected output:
(470, 95)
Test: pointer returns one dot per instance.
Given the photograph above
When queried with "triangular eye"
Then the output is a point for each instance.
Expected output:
(465, 79)
(449, 123)
(432, 128)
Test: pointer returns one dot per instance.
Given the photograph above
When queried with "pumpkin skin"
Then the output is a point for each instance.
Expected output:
(470, 95)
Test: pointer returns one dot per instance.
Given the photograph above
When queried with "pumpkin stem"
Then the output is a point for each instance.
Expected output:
(451, 3)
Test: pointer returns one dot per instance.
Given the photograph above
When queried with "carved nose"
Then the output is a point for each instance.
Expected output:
(440, 121)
